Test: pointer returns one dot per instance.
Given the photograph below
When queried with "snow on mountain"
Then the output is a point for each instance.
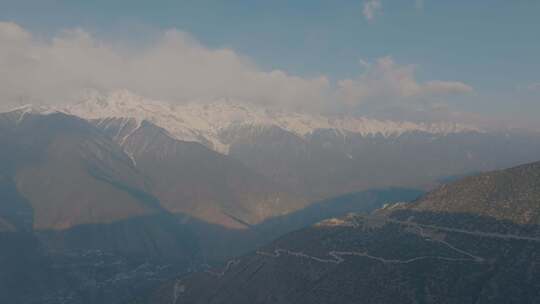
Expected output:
(203, 121)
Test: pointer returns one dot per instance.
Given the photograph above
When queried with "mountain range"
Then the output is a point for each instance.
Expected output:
(144, 190)
(314, 156)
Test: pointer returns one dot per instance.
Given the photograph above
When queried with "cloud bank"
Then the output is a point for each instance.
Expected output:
(177, 68)
(387, 82)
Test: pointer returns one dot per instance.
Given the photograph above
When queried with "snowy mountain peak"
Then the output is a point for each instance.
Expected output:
(22, 112)
(33, 109)
(203, 122)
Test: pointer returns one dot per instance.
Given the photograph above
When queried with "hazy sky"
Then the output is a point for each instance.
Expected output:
(476, 57)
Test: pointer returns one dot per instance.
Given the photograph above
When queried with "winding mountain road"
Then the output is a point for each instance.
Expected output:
(337, 257)
(475, 233)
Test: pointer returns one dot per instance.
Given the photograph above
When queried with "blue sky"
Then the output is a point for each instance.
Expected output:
(493, 46)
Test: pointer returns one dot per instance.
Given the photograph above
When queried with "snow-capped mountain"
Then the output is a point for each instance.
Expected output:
(204, 122)
(312, 155)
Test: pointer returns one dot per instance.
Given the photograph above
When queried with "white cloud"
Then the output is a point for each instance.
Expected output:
(387, 82)
(176, 67)
(371, 8)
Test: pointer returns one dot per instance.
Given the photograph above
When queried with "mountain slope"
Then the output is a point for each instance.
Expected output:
(403, 253)
(68, 172)
(189, 178)
(76, 222)
(512, 194)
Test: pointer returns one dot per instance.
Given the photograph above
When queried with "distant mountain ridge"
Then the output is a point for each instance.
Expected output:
(203, 122)
(312, 156)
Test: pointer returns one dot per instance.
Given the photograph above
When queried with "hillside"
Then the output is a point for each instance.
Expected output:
(512, 194)
(429, 251)
(67, 172)
(191, 179)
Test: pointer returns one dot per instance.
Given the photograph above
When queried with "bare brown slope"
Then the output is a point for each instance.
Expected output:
(190, 178)
(69, 172)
